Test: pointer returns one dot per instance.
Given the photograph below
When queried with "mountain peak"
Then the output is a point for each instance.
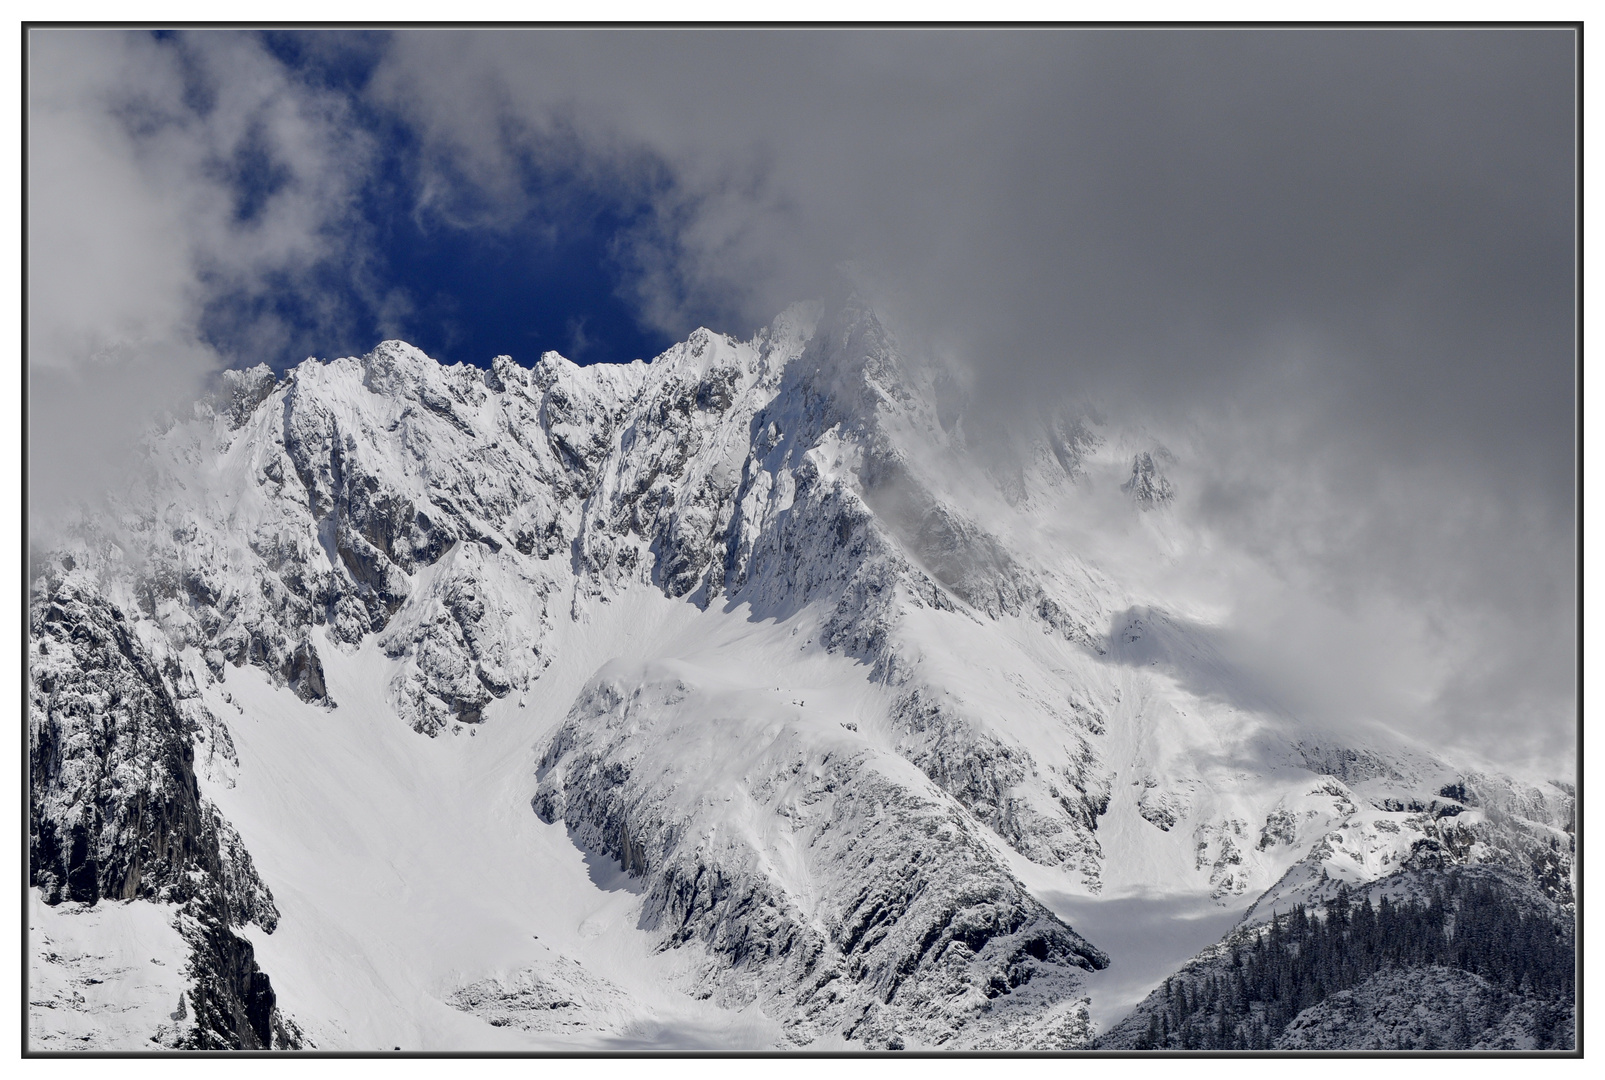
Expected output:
(733, 659)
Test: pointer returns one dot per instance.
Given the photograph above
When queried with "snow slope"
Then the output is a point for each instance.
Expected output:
(728, 700)
(106, 977)
(408, 870)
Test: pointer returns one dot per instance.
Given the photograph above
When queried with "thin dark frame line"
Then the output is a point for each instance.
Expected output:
(27, 557)
(1577, 802)
(1577, 524)
(803, 25)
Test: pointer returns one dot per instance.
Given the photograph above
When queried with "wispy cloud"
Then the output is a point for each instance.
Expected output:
(1336, 265)
(164, 177)
(1333, 269)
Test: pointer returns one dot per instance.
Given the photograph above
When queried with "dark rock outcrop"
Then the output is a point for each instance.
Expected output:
(116, 809)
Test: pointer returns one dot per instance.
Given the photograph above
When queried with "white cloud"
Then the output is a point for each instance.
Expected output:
(1336, 265)
(134, 155)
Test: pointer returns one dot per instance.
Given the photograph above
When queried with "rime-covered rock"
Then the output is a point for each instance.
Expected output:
(462, 531)
(882, 916)
(116, 809)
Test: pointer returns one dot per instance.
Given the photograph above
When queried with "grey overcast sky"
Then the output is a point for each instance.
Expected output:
(1337, 262)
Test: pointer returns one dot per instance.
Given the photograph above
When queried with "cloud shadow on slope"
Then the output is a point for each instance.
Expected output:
(1194, 654)
(1147, 937)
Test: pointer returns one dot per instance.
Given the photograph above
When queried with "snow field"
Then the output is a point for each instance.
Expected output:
(104, 977)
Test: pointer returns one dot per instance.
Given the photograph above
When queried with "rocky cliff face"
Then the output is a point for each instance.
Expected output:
(926, 933)
(851, 867)
(116, 809)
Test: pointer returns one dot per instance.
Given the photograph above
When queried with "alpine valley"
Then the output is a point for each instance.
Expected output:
(726, 701)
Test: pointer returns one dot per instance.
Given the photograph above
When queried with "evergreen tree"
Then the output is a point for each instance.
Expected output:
(1304, 957)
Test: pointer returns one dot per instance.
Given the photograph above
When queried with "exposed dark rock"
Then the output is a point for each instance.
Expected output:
(243, 391)
(443, 510)
(234, 1004)
(936, 933)
(1147, 486)
(116, 810)
(304, 674)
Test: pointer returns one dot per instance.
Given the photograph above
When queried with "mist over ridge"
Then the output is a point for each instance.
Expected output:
(1245, 356)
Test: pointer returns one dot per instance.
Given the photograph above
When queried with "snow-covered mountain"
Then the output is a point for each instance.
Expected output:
(723, 701)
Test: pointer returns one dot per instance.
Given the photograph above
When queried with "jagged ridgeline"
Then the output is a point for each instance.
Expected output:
(751, 627)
